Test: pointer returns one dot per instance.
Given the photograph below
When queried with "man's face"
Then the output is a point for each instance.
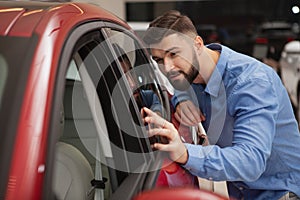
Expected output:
(177, 60)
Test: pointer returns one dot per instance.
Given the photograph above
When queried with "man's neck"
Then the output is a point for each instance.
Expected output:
(207, 62)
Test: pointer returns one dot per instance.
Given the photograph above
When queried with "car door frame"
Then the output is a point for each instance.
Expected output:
(56, 112)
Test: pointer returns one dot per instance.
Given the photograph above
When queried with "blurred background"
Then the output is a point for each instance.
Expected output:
(258, 28)
(236, 23)
(240, 24)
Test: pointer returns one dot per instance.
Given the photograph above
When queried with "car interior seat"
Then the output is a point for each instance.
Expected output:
(79, 129)
(72, 174)
(72, 171)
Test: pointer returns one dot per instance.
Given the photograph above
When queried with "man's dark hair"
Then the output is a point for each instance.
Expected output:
(168, 23)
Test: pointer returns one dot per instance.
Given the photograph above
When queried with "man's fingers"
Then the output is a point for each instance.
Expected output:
(160, 131)
(195, 115)
(147, 112)
(188, 114)
(160, 146)
(184, 118)
(155, 119)
(190, 117)
(193, 112)
(177, 116)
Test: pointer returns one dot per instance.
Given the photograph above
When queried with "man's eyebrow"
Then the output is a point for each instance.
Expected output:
(166, 51)
(171, 49)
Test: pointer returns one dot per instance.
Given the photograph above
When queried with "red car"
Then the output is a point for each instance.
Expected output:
(70, 114)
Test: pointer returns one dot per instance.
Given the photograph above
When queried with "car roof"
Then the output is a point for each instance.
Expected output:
(20, 18)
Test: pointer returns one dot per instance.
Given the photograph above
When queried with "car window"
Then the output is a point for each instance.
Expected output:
(138, 70)
(84, 127)
(101, 110)
(72, 72)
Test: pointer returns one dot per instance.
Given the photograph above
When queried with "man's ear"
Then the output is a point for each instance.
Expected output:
(198, 44)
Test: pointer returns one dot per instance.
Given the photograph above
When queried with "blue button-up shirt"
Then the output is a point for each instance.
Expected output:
(251, 122)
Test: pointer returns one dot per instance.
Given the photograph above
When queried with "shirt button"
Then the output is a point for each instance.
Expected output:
(241, 188)
(210, 178)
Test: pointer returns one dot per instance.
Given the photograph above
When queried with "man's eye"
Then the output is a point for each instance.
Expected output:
(159, 61)
(172, 54)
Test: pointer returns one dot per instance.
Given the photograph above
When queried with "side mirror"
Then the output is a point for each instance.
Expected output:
(178, 194)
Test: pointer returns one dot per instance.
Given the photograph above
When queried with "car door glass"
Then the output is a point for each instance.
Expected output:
(125, 131)
(95, 122)
(84, 129)
(76, 149)
(138, 70)
(72, 72)
(105, 89)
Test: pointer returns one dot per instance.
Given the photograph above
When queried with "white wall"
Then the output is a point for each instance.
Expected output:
(117, 7)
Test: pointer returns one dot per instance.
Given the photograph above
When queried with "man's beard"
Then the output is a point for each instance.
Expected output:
(189, 77)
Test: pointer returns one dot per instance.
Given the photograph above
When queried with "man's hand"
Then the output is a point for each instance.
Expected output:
(175, 147)
(188, 114)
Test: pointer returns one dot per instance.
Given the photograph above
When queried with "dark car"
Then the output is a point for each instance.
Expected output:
(70, 117)
(271, 38)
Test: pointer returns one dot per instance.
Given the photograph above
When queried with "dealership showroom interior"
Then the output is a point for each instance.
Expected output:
(149, 100)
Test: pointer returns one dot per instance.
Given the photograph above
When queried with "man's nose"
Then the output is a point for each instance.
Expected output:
(168, 64)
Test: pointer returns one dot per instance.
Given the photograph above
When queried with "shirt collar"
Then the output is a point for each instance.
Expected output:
(215, 82)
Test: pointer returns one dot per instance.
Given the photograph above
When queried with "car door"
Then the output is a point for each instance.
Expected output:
(99, 114)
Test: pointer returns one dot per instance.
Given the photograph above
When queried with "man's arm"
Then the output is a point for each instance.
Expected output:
(185, 110)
